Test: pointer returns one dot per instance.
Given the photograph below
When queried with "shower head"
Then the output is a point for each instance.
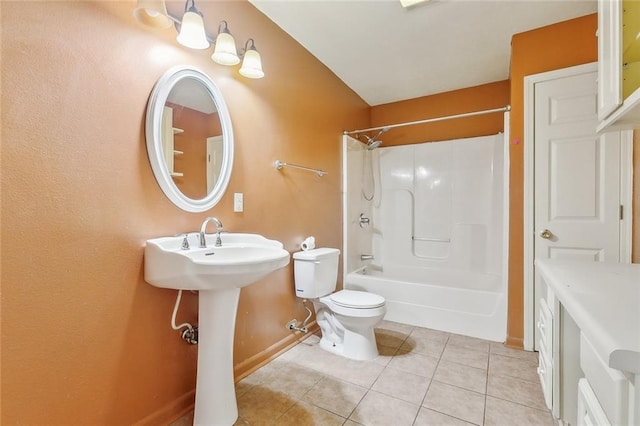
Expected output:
(372, 143)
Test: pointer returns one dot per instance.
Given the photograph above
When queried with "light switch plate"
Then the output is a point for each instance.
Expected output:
(238, 202)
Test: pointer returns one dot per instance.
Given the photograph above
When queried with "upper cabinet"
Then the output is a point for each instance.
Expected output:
(609, 58)
(618, 64)
(630, 47)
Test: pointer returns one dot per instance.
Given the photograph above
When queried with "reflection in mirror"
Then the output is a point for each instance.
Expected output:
(191, 136)
(189, 139)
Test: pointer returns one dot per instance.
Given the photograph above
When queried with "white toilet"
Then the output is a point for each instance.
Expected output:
(347, 317)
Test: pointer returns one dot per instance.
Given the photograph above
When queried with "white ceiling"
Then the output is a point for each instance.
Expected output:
(386, 53)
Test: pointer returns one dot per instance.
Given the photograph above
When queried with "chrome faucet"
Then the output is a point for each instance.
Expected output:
(203, 228)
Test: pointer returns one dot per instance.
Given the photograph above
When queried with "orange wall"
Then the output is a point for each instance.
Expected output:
(84, 339)
(487, 96)
(553, 47)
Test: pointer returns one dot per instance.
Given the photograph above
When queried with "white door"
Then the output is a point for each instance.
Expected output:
(214, 161)
(576, 176)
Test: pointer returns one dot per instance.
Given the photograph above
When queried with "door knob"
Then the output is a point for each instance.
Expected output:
(546, 234)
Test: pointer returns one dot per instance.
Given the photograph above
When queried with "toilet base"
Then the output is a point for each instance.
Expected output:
(361, 347)
(349, 336)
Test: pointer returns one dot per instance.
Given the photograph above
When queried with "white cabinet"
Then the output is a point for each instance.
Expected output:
(609, 57)
(545, 353)
(590, 411)
(593, 360)
(609, 386)
(618, 64)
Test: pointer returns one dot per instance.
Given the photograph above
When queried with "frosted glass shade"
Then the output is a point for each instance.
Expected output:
(225, 52)
(192, 32)
(409, 3)
(152, 13)
(252, 65)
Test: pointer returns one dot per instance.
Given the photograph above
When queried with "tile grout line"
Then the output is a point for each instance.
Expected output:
(369, 389)
(486, 389)
(546, 410)
(431, 381)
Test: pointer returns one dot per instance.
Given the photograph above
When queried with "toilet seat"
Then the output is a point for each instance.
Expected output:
(364, 307)
(357, 299)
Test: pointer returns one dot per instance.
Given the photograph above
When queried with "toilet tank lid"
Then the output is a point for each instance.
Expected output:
(315, 254)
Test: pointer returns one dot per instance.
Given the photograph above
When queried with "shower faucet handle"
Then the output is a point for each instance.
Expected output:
(364, 221)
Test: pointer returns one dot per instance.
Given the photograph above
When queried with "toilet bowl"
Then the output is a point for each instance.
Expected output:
(346, 318)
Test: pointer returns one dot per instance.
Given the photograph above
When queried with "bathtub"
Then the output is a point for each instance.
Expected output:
(462, 302)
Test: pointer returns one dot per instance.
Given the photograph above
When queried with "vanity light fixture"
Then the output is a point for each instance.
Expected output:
(251, 64)
(410, 3)
(191, 33)
(225, 52)
(152, 13)
(192, 28)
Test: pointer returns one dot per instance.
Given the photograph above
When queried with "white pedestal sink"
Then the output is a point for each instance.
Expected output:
(217, 273)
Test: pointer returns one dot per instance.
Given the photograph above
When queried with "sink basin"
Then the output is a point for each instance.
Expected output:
(242, 260)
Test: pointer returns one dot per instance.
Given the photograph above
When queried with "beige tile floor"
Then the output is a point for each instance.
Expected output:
(422, 377)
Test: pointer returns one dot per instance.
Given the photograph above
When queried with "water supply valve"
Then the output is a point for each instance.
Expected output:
(293, 326)
(190, 335)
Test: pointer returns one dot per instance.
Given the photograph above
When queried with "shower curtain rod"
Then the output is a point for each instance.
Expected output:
(431, 120)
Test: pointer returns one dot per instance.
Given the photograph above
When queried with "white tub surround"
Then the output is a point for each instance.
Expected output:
(595, 336)
(434, 241)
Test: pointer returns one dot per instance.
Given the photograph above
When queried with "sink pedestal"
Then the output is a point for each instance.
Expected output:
(215, 389)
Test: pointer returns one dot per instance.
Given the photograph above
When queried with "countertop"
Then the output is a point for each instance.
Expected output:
(604, 301)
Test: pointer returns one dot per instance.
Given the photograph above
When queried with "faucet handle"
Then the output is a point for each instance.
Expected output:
(185, 241)
(218, 238)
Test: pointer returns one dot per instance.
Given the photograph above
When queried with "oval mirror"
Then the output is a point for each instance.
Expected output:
(189, 139)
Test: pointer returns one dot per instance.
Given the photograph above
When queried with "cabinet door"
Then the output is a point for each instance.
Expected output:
(590, 412)
(609, 57)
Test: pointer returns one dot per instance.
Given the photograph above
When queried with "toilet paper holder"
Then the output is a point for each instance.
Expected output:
(309, 243)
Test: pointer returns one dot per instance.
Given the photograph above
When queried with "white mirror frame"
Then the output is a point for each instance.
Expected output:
(153, 131)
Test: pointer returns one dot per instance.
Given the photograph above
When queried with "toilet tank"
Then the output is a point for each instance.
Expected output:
(315, 272)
